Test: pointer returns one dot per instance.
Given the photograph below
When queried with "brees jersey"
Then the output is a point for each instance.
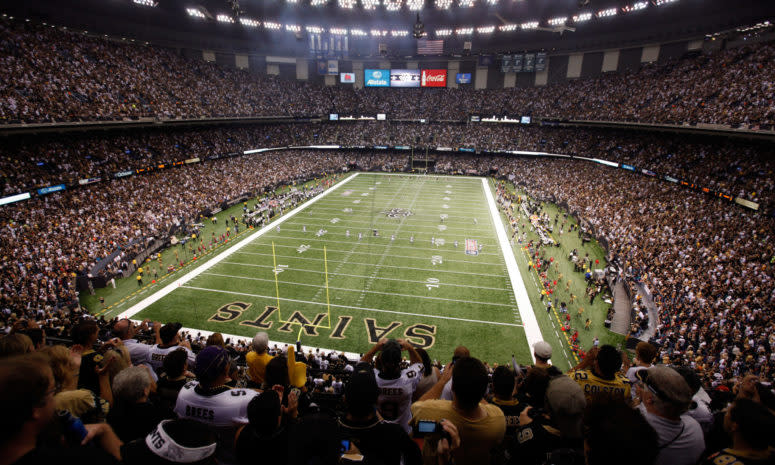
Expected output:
(596, 387)
(156, 356)
(228, 407)
(395, 395)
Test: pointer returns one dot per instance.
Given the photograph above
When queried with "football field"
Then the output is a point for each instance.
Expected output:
(402, 256)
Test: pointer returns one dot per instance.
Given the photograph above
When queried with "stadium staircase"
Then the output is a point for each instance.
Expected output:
(622, 309)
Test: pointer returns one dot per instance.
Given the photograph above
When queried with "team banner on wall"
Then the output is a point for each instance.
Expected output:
(540, 61)
(376, 77)
(333, 67)
(529, 63)
(404, 78)
(347, 78)
(517, 62)
(433, 78)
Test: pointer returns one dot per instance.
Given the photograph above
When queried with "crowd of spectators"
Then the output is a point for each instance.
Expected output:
(51, 74)
(121, 392)
(738, 168)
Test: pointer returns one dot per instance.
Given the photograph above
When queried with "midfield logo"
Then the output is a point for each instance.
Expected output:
(397, 213)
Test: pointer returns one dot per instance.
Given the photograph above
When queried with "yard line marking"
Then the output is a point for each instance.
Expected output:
(526, 313)
(362, 276)
(158, 295)
(378, 310)
(386, 221)
(369, 243)
(436, 270)
(366, 290)
(395, 256)
(301, 257)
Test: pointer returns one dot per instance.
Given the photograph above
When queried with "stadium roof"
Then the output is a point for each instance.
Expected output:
(271, 26)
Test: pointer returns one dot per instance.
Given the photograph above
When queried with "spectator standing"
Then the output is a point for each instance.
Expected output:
(665, 397)
(213, 403)
(377, 440)
(396, 385)
(599, 376)
(481, 425)
(750, 427)
(170, 341)
(258, 358)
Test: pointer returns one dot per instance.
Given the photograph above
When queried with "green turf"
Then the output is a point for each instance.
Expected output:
(375, 284)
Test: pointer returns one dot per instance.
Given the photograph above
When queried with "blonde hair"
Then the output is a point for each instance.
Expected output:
(61, 364)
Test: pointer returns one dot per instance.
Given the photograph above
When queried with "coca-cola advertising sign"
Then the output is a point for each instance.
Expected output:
(433, 78)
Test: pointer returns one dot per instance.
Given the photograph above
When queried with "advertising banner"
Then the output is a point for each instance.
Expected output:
(51, 189)
(347, 78)
(404, 78)
(376, 77)
(463, 78)
(433, 78)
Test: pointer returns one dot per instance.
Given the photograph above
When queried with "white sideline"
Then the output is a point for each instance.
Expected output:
(155, 297)
(526, 313)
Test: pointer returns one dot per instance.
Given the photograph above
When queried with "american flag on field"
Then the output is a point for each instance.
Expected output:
(430, 47)
(472, 247)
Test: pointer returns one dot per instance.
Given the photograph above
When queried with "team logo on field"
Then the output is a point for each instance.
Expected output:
(397, 213)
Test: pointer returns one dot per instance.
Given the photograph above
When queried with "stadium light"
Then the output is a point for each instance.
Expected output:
(606, 13)
(378, 33)
(492, 2)
(392, 5)
(485, 29)
(559, 21)
(529, 25)
(369, 4)
(415, 5)
(663, 2)
(508, 28)
(224, 18)
(443, 4)
(273, 26)
(358, 32)
(338, 31)
(347, 4)
(582, 17)
(195, 13)
(465, 3)
(635, 7)
(290, 27)
(314, 29)
(142, 3)
(443, 32)
(464, 31)
(399, 33)
(317, 2)
(249, 22)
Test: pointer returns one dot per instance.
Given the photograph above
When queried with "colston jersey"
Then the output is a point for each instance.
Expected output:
(227, 408)
(156, 356)
(395, 395)
(595, 386)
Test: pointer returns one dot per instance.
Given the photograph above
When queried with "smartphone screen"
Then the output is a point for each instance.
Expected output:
(344, 446)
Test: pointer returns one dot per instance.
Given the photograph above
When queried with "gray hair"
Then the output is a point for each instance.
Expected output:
(130, 384)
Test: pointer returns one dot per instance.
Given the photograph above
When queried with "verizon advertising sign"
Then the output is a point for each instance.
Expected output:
(433, 78)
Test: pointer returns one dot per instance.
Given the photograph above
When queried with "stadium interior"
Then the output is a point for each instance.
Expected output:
(387, 232)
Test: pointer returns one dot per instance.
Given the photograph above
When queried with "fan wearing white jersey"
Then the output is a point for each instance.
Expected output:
(396, 386)
(212, 402)
(170, 341)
